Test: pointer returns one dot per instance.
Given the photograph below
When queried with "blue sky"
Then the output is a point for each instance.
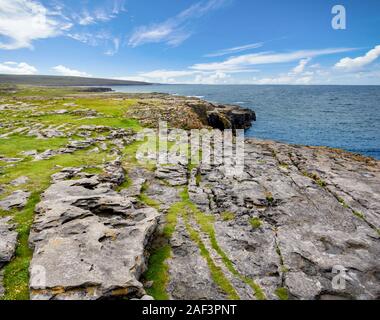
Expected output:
(184, 41)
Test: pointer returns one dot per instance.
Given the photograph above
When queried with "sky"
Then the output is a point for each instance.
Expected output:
(195, 42)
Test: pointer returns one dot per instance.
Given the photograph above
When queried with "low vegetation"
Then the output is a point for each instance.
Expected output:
(255, 223)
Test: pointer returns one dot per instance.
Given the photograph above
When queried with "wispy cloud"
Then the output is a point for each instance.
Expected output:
(99, 38)
(91, 27)
(161, 75)
(186, 76)
(11, 67)
(103, 13)
(115, 49)
(65, 71)
(350, 64)
(174, 30)
(99, 14)
(234, 50)
(262, 58)
(23, 21)
(301, 66)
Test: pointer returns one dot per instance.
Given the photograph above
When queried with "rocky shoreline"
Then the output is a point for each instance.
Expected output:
(104, 226)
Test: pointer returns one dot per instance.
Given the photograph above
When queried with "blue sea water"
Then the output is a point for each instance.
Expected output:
(346, 117)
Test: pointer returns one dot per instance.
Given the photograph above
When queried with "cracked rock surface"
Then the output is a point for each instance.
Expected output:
(89, 240)
(318, 210)
(16, 199)
(292, 219)
(8, 242)
(298, 223)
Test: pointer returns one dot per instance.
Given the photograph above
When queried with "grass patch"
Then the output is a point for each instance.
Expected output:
(269, 197)
(147, 200)
(255, 223)
(316, 178)
(158, 273)
(13, 146)
(284, 269)
(227, 216)
(359, 214)
(108, 106)
(216, 272)
(125, 185)
(284, 165)
(198, 179)
(171, 219)
(158, 270)
(205, 223)
(28, 90)
(16, 273)
(282, 293)
(129, 156)
(343, 203)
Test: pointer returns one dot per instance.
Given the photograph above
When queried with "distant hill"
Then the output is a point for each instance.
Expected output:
(41, 80)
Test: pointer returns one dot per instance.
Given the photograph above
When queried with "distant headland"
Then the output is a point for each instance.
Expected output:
(45, 80)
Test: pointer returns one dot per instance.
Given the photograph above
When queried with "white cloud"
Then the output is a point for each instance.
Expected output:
(180, 76)
(105, 13)
(172, 31)
(167, 73)
(132, 78)
(264, 58)
(101, 38)
(298, 75)
(64, 71)
(22, 21)
(301, 66)
(186, 76)
(233, 50)
(359, 62)
(10, 67)
(85, 18)
(284, 79)
(161, 76)
(214, 78)
(115, 49)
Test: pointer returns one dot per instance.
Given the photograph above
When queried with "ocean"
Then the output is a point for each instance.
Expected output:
(345, 117)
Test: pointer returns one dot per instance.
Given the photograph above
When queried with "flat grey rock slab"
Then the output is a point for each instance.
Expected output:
(19, 181)
(17, 199)
(89, 240)
(8, 240)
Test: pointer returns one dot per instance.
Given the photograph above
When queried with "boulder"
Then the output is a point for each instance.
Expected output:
(17, 199)
(8, 243)
(8, 240)
(230, 117)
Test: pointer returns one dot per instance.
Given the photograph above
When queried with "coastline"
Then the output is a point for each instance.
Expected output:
(74, 194)
(334, 116)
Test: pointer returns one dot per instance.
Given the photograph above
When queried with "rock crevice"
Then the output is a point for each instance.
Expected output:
(89, 241)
